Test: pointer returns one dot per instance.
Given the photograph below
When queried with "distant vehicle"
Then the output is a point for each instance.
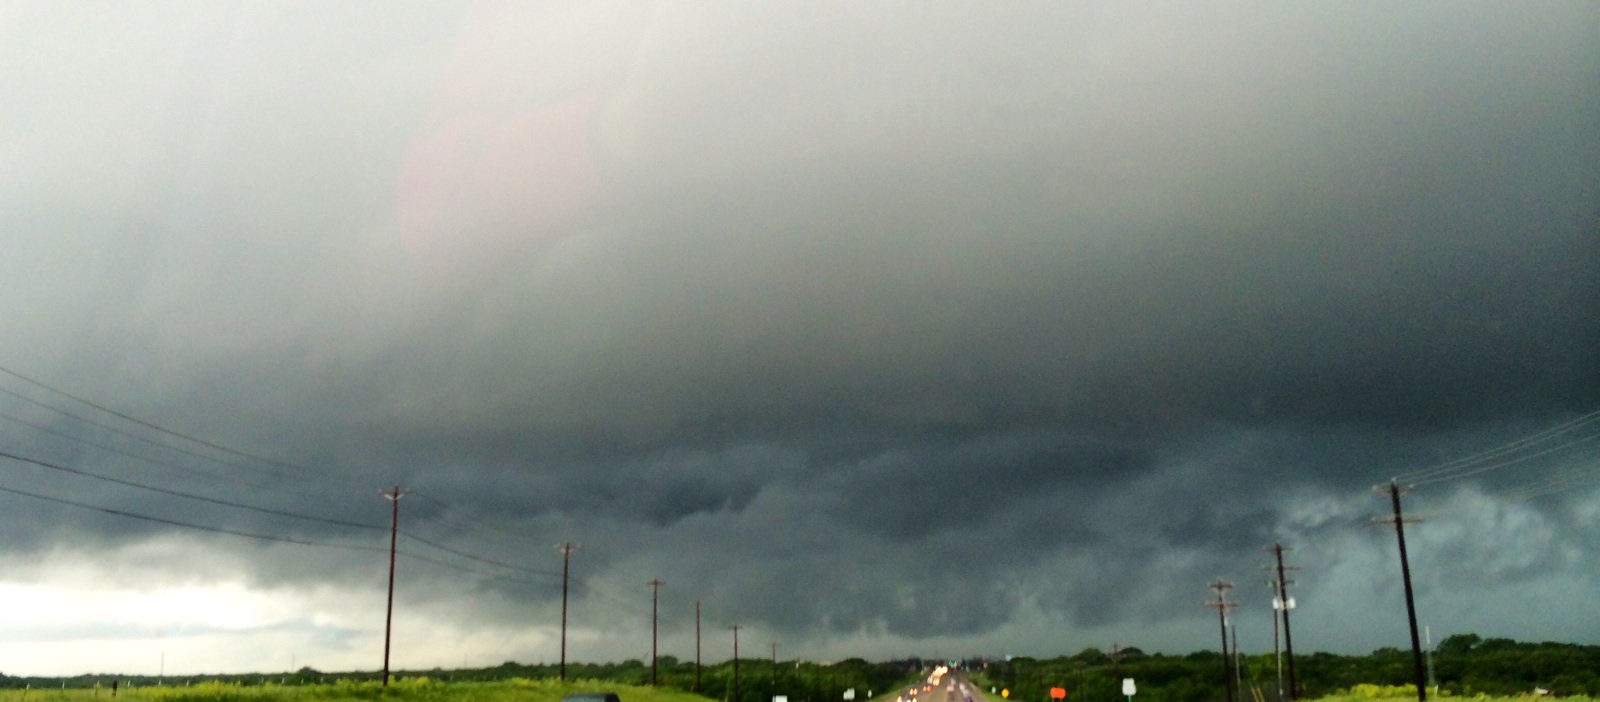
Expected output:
(591, 697)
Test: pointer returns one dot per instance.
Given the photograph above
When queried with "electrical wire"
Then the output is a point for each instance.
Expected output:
(476, 523)
(191, 525)
(185, 495)
(276, 512)
(146, 459)
(303, 472)
(306, 472)
(145, 439)
(1550, 485)
(261, 537)
(1480, 469)
(479, 559)
(1453, 468)
(615, 601)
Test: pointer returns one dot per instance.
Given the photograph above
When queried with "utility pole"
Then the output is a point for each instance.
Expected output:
(1221, 587)
(774, 670)
(1427, 636)
(1393, 491)
(697, 645)
(735, 628)
(566, 550)
(1238, 663)
(1285, 604)
(1277, 655)
(655, 592)
(1116, 655)
(394, 530)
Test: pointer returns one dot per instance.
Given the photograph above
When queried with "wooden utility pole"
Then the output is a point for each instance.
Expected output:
(1286, 603)
(1393, 490)
(697, 645)
(774, 670)
(1221, 587)
(735, 628)
(1238, 664)
(566, 550)
(394, 530)
(655, 592)
(1277, 655)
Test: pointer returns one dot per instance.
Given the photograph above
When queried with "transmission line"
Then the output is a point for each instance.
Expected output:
(1470, 464)
(1480, 469)
(185, 495)
(271, 511)
(188, 525)
(268, 485)
(1550, 484)
(475, 523)
(307, 472)
(263, 537)
(477, 558)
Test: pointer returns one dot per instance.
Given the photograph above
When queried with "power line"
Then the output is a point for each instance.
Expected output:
(613, 599)
(308, 472)
(182, 494)
(126, 433)
(188, 525)
(1455, 467)
(476, 523)
(1478, 470)
(261, 537)
(1551, 484)
(268, 485)
(276, 512)
(477, 558)
(185, 495)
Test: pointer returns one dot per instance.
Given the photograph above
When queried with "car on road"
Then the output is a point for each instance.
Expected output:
(591, 697)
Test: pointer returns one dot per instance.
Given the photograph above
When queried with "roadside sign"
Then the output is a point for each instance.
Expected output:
(1128, 688)
(1006, 693)
(780, 698)
(1058, 693)
(850, 694)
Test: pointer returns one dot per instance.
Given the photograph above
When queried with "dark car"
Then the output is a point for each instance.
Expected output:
(591, 697)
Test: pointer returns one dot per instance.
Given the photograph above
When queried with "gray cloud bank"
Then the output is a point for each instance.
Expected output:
(852, 320)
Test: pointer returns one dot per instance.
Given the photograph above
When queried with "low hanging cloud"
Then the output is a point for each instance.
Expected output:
(869, 327)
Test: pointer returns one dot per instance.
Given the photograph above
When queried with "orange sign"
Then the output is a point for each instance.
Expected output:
(1058, 693)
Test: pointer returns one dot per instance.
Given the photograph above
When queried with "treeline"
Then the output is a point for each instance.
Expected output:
(759, 679)
(1463, 665)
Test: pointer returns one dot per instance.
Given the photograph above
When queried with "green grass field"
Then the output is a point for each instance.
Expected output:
(417, 689)
(402, 690)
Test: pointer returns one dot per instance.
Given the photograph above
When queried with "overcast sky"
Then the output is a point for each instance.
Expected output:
(882, 329)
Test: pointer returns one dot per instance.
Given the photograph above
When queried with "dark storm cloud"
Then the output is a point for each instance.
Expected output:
(893, 326)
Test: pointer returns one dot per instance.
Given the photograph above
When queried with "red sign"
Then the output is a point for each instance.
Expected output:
(1058, 692)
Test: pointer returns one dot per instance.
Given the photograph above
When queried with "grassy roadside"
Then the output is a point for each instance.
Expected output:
(402, 690)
